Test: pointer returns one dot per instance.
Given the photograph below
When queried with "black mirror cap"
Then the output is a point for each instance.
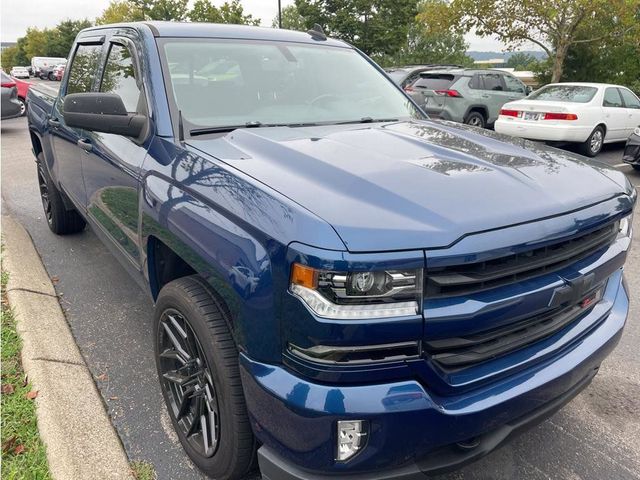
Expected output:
(102, 112)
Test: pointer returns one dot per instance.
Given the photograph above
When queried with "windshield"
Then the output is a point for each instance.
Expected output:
(221, 83)
(564, 93)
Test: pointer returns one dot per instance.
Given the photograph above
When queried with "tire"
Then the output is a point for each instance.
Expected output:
(188, 311)
(636, 168)
(475, 119)
(51, 77)
(23, 107)
(61, 221)
(593, 145)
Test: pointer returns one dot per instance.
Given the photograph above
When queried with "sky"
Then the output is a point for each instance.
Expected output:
(14, 19)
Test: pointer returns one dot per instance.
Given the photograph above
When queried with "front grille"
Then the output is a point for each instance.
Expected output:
(475, 277)
(460, 352)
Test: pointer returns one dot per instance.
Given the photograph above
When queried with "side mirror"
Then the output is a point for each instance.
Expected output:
(528, 89)
(102, 112)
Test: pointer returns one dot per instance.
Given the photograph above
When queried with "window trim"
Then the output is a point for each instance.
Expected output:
(617, 90)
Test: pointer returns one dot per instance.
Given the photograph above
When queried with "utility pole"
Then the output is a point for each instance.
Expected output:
(279, 14)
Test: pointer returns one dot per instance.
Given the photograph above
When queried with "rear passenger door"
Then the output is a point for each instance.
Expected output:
(68, 141)
(112, 169)
(493, 94)
(615, 115)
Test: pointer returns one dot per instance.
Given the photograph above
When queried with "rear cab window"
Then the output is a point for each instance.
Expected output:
(83, 68)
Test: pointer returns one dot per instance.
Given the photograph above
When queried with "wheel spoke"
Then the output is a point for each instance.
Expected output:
(176, 343)
(185, 403)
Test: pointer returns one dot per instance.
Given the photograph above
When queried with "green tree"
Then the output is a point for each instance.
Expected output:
(9, 57)
(377, 27)
(120, 11)
(60, 40)
(291, 19)
(553, 25)
(35, 42)
(175, 10)
(426, 44)
(228, 12)
(522, 61)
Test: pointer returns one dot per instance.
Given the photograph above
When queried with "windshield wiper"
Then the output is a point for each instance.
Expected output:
(226, 128)
(368, 120)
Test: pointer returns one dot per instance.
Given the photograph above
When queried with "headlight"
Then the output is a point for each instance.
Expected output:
(358, 295)
(637, 131)
(625, 228)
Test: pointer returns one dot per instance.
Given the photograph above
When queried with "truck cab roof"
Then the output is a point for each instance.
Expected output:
(214, 30)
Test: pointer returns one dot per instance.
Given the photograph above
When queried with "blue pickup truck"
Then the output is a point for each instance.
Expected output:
(342, 287)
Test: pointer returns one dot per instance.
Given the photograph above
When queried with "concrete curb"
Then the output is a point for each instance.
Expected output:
(80, 439)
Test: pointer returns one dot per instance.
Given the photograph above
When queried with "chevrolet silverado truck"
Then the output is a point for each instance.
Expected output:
(343, 287)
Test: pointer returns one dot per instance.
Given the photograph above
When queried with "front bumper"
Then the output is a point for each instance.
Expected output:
(551, 131)
(632, 150)
(412, 430)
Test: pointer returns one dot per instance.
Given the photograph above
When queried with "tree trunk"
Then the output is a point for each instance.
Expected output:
(558, 61)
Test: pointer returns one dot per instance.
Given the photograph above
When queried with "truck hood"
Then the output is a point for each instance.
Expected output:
(413, 185)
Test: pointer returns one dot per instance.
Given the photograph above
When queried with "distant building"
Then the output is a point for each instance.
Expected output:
(4, 45)
(525, 76)
(491, 62)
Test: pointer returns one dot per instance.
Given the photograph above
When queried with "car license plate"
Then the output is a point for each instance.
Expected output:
(530, 116)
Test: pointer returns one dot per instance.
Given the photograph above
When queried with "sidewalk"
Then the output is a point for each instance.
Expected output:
(81, 443)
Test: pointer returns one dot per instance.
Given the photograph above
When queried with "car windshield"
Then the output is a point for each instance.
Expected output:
(235, 83)
(564, 93)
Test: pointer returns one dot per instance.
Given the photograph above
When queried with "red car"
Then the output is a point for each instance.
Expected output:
(23, 88)
(58, 72)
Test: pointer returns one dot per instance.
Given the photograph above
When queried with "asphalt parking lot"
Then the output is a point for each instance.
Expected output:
(595, 437)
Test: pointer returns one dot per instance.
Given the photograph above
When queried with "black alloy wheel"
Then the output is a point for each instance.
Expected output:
(44, 193)
(187, 381)
(199, 372)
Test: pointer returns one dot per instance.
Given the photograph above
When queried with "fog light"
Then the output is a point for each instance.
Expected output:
(351, 438)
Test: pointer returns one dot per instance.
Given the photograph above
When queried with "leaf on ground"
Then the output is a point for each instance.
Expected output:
(19, 449)
(8, 444)
(32, 394)
(55, 279)
(7, 389)
(103, 378)
(114, 398)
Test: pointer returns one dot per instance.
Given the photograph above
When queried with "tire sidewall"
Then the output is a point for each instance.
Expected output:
(175, 298)
(588, 149)
(476, 114)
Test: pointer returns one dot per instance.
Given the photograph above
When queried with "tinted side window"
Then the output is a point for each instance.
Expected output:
(492, 82)
(612, 98)
(513, 84)
(83, 68)
(119, 77)
(476, 82)
(630, 100)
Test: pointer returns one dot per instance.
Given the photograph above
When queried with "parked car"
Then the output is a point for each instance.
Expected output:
(23, 88)
(466, 95)
(590, 114)
(405, 76)
(422, 289)
(42, 66)
(631, 153)
(19, 72)
(58, 72)
(10, 106)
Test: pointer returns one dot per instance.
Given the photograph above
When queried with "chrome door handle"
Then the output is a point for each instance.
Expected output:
(53, 123)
